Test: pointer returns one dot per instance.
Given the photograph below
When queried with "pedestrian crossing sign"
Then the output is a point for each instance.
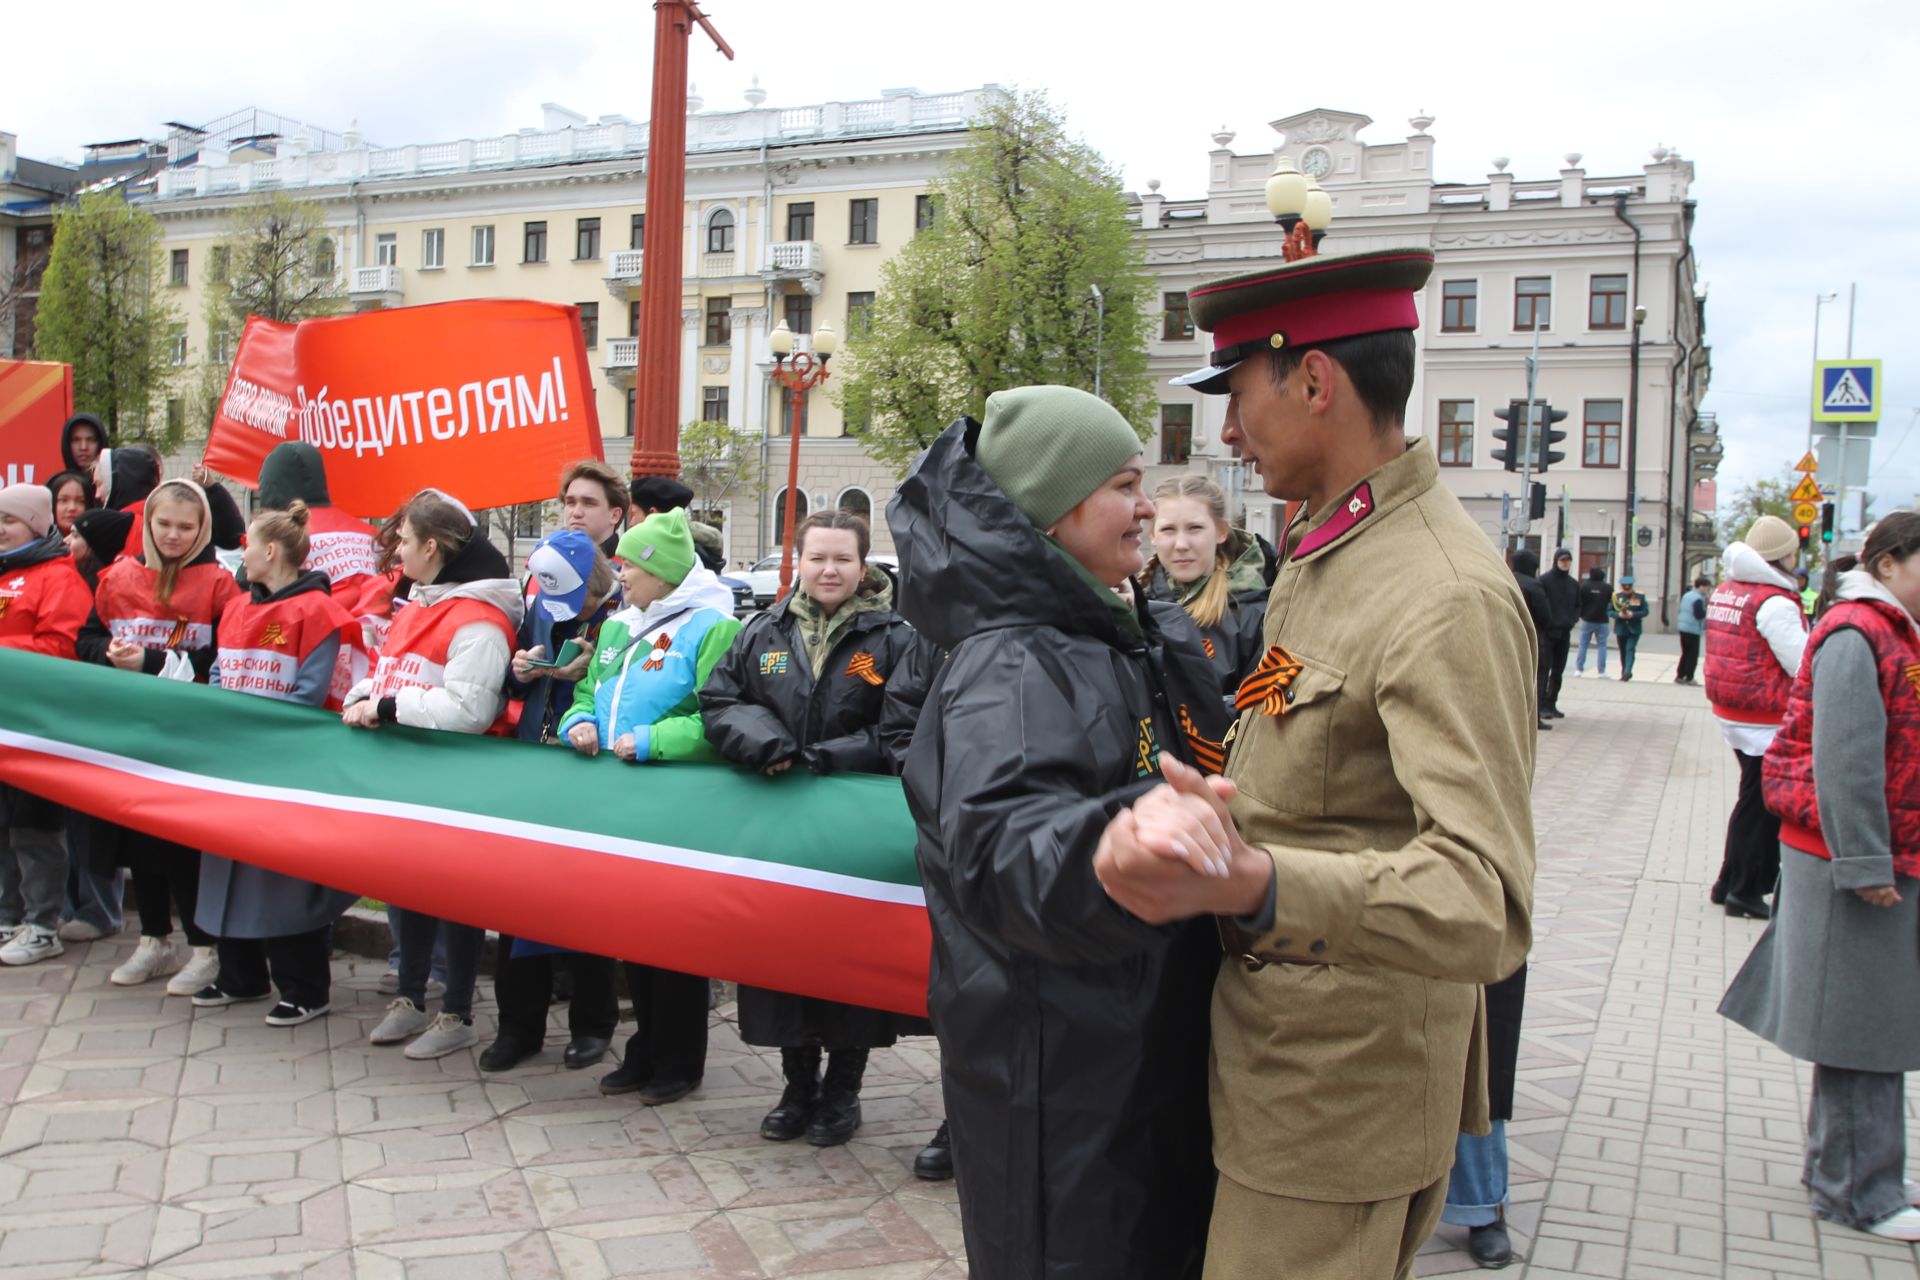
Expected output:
(1846, 391)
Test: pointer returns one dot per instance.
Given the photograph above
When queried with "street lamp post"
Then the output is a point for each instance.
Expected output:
(1633, 437)
(799, 376)
(1301, 208)
(1099, 332)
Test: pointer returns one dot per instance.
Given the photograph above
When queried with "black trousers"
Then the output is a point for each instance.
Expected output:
(1554, 643)
(1689, 656)
(1751, 867)
(297, 964)
(523, 988)
(163, 875)
(670, 1040)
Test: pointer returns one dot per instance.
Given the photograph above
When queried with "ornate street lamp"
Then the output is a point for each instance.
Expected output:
(802, 375)
(1301, 208)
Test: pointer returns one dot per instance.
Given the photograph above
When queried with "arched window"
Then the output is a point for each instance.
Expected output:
(323, 260)
(856, 501)
(780, 515)
(720, 232)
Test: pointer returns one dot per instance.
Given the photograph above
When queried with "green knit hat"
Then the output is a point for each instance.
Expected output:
(661, 544)
(1049, 447)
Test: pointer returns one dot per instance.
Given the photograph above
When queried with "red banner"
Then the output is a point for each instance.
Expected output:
(488, 400)
(36, 399)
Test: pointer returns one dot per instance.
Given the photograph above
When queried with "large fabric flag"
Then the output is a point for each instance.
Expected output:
(796, 883)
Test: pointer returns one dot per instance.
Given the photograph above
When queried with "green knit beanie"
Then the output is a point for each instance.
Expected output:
(1049, 447)
(661, 544)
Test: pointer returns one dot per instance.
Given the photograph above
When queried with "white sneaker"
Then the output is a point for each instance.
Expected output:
(200, 971)
(153, 958)
(1904, 1225)
(448, 1034)
(29, 946)
(1913, 1192)
(403, 1019)
(81, 931)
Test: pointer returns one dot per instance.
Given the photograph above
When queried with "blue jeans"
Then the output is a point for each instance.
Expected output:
(1477, 1192)
(438, 967)
(1589, 633)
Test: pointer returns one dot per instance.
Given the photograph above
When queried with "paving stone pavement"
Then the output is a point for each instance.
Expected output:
(139, 1136)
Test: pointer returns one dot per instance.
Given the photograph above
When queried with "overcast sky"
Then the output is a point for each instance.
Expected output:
(1799, 119)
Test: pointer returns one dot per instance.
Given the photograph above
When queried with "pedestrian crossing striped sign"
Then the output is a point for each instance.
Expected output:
(1846, 391)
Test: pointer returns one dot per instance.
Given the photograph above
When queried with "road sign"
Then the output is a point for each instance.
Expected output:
(1808, 463)
(1846, 391)
(1808, 490)
(1805, 513)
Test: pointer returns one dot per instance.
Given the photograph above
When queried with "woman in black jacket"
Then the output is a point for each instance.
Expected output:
(804, 684)
(1214, 571)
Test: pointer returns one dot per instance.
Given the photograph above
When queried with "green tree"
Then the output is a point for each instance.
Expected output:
(103, 311)
(1765, 497)
(996, 292)
(717, 462)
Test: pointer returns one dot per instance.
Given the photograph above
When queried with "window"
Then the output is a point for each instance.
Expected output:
(1176, 434)
(859, 313)
(856, 420)
(626, 420)
(386, 249)
(526, 519)
(637, 235)
(176, 416)
(633, 318)
(483, 246)
(219, 262)
(856, 501)
(786, 412)
(177, 345)
(1455, 444)
(1601, 437)
(1459, 306)
(925, 210)
(780, 512)
(1596, 553)
(219, 346)
(720, 232)
(586, 238)
(713, 404)
(1176, 320)
(177, 273)
(590, 324)
(323, 259)
(1532, 302)
(799, 312)
(433, 248)
(800, 220)
(719, 321)
(534, 245)
(1607, 304)
(863, 221)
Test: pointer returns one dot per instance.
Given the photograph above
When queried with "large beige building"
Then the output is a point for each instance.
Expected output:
(789, 214)
(1582, 252)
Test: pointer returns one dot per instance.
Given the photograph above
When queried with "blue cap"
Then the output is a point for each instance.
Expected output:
(561, 564)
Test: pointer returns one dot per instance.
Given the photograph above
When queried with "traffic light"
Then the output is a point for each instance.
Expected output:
(1510, 435)
(1536, 501)
(1545, 437)
(1826, 522)
(1806, 535)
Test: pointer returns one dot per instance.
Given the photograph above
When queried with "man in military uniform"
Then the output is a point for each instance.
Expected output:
(1370, 850)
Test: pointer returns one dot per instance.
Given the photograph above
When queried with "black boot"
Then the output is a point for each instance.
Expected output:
(1490, 1246)
(788, 1120)
(935, 1161)
(838, 1114)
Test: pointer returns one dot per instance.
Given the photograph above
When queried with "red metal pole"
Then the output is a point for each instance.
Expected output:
(801, 377)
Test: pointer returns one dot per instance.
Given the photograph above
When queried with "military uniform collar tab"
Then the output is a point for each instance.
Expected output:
(1406, 477)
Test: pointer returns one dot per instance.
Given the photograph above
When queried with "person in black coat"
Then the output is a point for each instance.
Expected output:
(1477, 1193)
(1563, 613)
(804, 685)
(1073, 1036)
(1525, 566)
(1216, 572)
(1596, 597)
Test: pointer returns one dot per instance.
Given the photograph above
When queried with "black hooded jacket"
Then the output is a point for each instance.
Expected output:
(1526, 567)
(101, 438)
(1074, 1035)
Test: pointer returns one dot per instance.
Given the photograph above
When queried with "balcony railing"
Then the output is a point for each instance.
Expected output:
(792, 257)
(380, 285)
(623, 354)
(623, 272)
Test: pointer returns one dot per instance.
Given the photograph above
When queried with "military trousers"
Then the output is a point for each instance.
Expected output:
(1256, 1236)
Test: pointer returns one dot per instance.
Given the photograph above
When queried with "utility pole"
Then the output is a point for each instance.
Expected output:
(1526, 458)
(1099, 332)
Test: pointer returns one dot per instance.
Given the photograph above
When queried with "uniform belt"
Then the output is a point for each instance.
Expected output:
(1237, 943)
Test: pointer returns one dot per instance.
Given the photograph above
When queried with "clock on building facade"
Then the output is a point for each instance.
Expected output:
(1316, 163)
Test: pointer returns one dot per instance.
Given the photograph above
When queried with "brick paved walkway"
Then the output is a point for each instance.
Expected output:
(1651, 1138)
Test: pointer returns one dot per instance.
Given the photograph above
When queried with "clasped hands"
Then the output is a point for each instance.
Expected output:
(1176, 852)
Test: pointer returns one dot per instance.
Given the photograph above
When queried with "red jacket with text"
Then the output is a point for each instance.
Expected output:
(43, 606)
(1745, 681)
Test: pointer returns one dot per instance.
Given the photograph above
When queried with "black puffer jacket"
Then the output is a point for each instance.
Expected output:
(1073, 1035)
(763, 705)
(1525, 566)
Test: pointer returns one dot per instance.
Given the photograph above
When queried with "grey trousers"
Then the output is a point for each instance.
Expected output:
(1857, 1145)
(33, 878)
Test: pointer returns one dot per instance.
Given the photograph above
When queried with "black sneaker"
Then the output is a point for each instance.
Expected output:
(292, 1015)
(212, 997)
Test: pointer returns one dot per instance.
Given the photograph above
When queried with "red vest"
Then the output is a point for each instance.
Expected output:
(129, 609)
(1788, 770)
(1745, 682)
(263, 645)
(342, 548)
(43, 607)
(415, 655)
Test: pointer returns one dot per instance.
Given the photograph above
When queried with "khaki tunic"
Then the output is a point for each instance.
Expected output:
(1393, 792)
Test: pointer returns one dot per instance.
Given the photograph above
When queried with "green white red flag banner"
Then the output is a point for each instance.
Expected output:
(797, 883)
(487, 400)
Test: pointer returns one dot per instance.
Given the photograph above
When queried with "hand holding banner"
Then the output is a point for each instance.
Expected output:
(487, 400)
